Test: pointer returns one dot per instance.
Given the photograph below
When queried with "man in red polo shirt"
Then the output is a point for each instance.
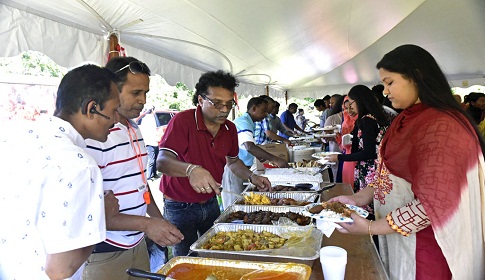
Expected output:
(196, 146)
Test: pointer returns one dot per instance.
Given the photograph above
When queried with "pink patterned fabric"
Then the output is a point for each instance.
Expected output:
(430, 183)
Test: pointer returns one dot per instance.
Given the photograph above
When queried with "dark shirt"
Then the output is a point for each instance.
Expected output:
(188, 138)
(370, 131)
(475, 113)
(287, 119)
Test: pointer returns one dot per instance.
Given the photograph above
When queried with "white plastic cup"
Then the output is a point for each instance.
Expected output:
(347, 139)
(334, 261)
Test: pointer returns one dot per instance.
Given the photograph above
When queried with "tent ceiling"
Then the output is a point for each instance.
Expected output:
(286, 43)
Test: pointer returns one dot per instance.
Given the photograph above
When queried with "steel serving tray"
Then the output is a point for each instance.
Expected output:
(253, 208)
(298, 196)
(306, 253)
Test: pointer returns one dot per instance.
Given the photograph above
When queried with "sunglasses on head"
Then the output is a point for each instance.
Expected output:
(136, 67)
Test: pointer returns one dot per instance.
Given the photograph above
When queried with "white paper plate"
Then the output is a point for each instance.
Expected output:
(331, 216)
(322, 155)
(328, 135)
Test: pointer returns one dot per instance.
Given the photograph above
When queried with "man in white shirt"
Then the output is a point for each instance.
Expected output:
(53, 214)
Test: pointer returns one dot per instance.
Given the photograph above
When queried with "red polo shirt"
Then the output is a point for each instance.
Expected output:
(188, 138)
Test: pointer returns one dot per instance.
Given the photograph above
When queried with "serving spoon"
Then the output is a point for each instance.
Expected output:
(155, 276)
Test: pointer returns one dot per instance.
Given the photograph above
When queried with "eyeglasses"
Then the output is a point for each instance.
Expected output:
(136, 67)
(219, 105)
(350, 104)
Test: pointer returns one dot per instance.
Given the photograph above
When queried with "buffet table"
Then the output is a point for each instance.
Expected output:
(363, 261)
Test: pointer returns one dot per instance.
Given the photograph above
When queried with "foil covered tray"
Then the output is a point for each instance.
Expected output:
(306, 251)
(237, 268)
(252, 188)
(223, 218)
(298, 196)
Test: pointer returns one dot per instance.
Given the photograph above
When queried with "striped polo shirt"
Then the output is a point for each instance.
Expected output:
(117, 159)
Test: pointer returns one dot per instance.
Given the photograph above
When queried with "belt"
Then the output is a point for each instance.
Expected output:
(200, 202)
(104, 247)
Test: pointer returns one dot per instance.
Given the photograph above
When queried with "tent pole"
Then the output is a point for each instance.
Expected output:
(113, 46)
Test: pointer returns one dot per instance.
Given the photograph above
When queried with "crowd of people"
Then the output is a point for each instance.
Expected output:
(413, 155)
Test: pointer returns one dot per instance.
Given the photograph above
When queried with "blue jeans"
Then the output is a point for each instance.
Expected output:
(192, 219)
(152, 161)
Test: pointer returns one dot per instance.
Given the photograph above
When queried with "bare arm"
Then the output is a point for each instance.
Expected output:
(363, 197)
(273, 136)
(64, 265)
(262, 154)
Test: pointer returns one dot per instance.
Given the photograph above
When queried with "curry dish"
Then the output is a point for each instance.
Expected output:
(187, 271)
(244, 240)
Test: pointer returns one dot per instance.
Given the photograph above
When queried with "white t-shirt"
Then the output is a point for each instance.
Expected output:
(51, 199)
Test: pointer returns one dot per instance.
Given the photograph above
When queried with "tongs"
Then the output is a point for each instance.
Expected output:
(232, 193)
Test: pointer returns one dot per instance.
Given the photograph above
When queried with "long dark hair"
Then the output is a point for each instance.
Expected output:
(419, 66)
(367, 104)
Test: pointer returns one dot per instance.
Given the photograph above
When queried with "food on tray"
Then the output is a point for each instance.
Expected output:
(261, 199)
(304, 163)
(190, 271)
(244, 240)
(256, 199)
(288, 201)
(267, 217)
(280, 188)
(336, 207)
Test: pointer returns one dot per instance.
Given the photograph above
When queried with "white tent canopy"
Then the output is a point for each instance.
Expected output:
(308, 48)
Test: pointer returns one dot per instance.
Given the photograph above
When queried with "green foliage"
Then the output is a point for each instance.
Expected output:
(32, 63)
(164, 96)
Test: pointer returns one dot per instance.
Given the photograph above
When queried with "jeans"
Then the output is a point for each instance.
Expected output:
(158, 255)
(192, 219)
(152, 161)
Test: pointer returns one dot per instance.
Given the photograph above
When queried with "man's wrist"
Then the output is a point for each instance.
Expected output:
(250, 178)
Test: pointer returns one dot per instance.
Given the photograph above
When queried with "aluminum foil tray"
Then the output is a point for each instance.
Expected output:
(303, 271)
(253, 208)
(306, 252)
(252, 188)
(298, 196)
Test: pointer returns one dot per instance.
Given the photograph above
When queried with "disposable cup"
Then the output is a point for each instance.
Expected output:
(334, 261)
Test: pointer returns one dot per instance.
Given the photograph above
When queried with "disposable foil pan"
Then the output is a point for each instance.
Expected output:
(306, 253)
(298, 196)
(303, 271)
(252, 188)
(253, 208)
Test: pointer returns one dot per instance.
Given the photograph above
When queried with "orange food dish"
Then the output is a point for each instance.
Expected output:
(190, 271)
